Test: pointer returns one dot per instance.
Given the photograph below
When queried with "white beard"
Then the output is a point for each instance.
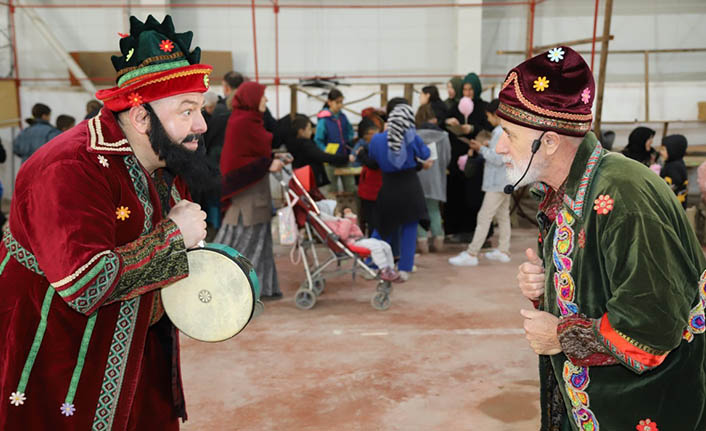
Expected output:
(515, 172)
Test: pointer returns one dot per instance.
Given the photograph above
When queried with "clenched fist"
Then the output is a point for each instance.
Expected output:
(531, 276)
(191, 222)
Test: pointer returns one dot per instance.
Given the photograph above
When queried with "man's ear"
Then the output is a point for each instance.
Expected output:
(551, 142)
(140, 119)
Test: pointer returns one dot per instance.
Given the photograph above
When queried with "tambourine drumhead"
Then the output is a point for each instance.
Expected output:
(215, 302)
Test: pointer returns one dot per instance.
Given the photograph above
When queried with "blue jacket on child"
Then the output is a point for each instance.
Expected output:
(333, 129)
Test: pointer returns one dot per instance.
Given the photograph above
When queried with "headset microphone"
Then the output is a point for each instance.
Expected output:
(535, 147)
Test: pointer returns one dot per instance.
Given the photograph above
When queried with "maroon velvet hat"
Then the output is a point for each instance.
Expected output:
(552, 91)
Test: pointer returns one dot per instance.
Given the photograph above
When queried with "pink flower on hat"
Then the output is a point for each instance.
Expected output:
(586, 95)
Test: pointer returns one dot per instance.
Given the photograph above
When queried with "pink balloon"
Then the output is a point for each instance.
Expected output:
(465, 106)
(462, 160)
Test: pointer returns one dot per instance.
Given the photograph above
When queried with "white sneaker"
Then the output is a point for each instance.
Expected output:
(498, 256)
(404, 275)
(464, 259)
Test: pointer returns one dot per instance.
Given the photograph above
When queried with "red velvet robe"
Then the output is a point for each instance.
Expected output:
(87, 247)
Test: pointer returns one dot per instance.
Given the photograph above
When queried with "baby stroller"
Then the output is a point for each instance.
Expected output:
(301, 191)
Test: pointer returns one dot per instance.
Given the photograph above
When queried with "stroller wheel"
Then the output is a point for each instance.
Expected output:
(319, 285)
(381, 301)
(305, 299)
(384, 287)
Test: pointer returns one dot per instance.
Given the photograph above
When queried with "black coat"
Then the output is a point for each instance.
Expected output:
(305, 152)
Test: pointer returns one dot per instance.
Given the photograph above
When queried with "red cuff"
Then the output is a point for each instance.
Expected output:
(630, 352)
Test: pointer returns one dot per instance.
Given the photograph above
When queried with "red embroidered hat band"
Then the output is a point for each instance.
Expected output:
(156, 63)
(552, 91)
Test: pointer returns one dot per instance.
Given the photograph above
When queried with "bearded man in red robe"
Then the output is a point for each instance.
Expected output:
(100, 221)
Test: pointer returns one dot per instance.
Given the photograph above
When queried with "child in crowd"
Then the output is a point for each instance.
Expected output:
(433, 179)
(65, 122)
(306, 152)
(674, 170)
(370, 177)
(334, 134)
(345, 226)
(366, 129)
(495, 202)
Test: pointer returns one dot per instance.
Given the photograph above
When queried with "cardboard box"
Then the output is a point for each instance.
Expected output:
(702, 111)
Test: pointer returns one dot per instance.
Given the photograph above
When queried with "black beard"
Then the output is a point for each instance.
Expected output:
(192, 166)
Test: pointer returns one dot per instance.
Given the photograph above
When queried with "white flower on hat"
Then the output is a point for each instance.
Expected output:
(556, 54)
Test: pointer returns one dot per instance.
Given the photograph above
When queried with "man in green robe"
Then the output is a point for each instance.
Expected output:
(619, 283)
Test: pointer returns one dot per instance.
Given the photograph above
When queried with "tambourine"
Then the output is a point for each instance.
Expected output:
(219, 297)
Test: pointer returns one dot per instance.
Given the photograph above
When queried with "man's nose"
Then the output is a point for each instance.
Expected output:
(199, 126)
(503, 144)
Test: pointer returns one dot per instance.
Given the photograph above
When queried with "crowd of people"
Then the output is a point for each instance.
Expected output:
(426, 178)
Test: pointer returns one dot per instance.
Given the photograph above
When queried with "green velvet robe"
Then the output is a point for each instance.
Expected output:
(620, 253)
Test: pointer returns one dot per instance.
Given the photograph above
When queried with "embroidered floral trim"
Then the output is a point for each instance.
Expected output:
(577, 205)
(206, 81)
(576, 381)
(603, 205)
(541, 83)
(537, 120)
(123, 35)
(647, 425)
(576, 378)
(129, 54)
(68, 409)
(586, 95)
(17, 399)
(697, 317)
(103, 161)
(556, 54)
(135, 99)
(582, 239)
(166, 45)
(122, 213)
(513, 78)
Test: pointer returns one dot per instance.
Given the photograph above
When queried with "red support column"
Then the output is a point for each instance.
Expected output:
(254, 40)
(13, 36)
(277, 80)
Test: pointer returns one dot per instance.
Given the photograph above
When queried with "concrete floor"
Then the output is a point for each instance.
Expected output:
(449, 354)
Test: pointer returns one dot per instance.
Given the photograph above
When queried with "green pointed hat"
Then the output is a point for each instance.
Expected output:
(155, 63)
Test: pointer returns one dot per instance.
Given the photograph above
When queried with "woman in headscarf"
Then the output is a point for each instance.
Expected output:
(640, 146)
(246, 161)
(400, 204)
(464, 195)
(454, 89)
